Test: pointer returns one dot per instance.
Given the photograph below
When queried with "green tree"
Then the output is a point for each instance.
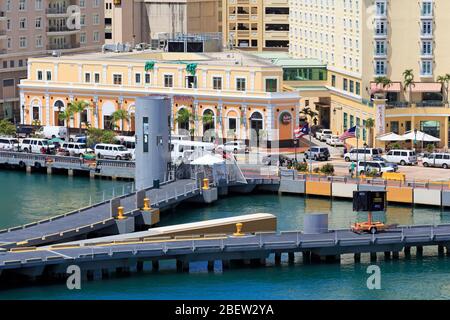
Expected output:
(184, 116)
(7, 128)
(78, 107)
(94, 136)
(383, 81)
(408, 82)
(66, 115)
(120, 115)
(370, 124)
(444, 80)
(108, 136)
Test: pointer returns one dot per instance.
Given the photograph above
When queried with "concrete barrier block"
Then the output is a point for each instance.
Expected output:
(210, 195)
(318, 188)
(125, 225)
(427, 196)
(446, 198)
(140, 196)
(292, 186)
(343, 190)
(401, 195)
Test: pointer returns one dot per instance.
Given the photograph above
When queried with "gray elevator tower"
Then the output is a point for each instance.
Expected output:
(152, 139)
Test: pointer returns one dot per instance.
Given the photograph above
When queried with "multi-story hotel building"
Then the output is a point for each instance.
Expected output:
(238, 91)
(256, 24)
(362, 40)
(38, 27)
(137, 21)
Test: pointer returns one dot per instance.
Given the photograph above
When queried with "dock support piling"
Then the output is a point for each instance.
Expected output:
(407, 251)
(306, 256)
(373, 256)
(441, 250)
(395, 255)
(291, 257)
(419, 250)
(277, 259)
(139, 266)
(28, 168)
(155, 265)
(387, 255)
(70, 172)
(448, 251)
(179, 266)
(211, 265)
(357, 257)
(49, 170)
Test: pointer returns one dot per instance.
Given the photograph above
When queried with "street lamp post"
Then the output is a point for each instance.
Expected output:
(415, 138)
(365, 147)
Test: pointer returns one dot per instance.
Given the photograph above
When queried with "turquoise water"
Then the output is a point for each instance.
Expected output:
(425, 278)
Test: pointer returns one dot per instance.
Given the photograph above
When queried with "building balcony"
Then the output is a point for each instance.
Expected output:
(3, 51)
(380, 54)
(61, 31)
(56, 12)
(2, 15)
(2, 34)
(67, 46)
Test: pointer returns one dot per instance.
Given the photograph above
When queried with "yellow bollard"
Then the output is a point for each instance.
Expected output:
(146, 205)
(120, 215)
(238, 232)
(205, 184)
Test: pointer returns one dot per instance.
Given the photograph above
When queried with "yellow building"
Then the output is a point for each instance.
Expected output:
(238, 91)
(256, 24)
(362, 41)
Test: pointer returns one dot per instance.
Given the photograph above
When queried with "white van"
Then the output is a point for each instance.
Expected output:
(441, 160)
(359, 154)
(402, 157)
(112, 151)
(51, 132)
(10, 144)
(178, 148)
(35, 145)
(76, 148)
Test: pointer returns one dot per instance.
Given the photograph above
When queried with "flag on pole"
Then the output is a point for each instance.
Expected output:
(350, 133)
(301, 131)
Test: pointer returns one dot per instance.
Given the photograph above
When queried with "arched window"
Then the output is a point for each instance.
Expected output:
(208, 120)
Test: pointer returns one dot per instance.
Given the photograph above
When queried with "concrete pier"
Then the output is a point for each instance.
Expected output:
(155, 265)
(225, 264)
(440, 250)
(395, 255)
(49, 170)
(70, 172)
(407, 251)
(357, 257)
(139, 266)
(387, 255)
(306, 256)
(211, 265)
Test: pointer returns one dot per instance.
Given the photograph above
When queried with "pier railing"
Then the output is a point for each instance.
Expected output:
(375, 181)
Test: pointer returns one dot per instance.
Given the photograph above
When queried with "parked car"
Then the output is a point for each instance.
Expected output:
(75, 148)
(368, 166)
(358, 154)
(271, 160)
(233, 146)
(335, 141)
(112, 151)
(51, 132)
(10, 144)
(441, 160)
(389, 164)
(318, 153)
(23, 131)
(35, 145)
(324, 134)
(402, 157)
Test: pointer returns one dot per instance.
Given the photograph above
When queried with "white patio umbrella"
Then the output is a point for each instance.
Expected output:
(391, 137)
(420, 136)
(207, 160)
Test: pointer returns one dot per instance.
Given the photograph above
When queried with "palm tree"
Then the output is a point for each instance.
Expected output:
(408, 82)
(184, 117)
(66, 115)
(120, 115)
(444, 80)
(78, 107)
(370, 124)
